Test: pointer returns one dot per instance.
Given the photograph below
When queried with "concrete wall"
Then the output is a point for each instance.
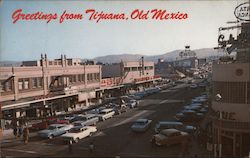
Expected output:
(231, 72)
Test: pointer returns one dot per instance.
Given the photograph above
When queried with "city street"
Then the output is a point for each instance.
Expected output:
(114, 136)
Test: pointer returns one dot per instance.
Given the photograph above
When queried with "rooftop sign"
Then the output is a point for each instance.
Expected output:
(242, 12)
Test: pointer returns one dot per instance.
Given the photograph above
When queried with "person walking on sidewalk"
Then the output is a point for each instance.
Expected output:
(20, 131)
(26, 135)
(15, 131)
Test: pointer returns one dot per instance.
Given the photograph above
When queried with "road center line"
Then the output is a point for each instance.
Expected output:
(24, 151)
(131, 118)
(164, 101)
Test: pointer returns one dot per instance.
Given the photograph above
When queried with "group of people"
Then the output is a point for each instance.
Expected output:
(21, 131)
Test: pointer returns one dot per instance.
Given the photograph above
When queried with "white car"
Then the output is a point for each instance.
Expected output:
(77, 133)
(105, 114)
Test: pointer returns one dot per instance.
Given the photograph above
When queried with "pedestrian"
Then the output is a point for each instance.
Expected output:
(153, 142)
(26, 135)
(70, 148)
(15, 131)
(20, 131)
(91, 147)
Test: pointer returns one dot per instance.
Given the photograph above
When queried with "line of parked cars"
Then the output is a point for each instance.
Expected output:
(195, 111)
(72, 128)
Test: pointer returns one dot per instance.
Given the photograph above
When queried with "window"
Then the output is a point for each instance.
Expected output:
(134, 68)
(34, 82)
(231, 92)
(39, 82)
(79, 78)
(26, 84)
(126, 69)
(6, 85)
(23, 83)
(20, 85)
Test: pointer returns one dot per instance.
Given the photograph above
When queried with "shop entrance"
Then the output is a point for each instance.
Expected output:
(227, 146)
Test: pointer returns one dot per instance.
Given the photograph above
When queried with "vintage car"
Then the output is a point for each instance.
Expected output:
(161, 125)
(105, 114)
(43, 124)
(132, 103)
(141, 125)
(86, 120)
(77, 133)
(54, 130)
(189, 116)
(170, 137)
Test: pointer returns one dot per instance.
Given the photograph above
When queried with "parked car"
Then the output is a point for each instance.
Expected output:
(203, 110)
(170, 137)
(199, 100)
(86, 120)
(140, 95)
(43, 124)
(193, 86)
(134, 97)
(105, 114)
(161, 125)
(61, 120)
(132, 103)
(189, 116)
(141, 125)
(120, 109)
(54, 130)
(77, 133)
(192, 107)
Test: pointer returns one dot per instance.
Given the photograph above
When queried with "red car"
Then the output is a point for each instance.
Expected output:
(44, 124)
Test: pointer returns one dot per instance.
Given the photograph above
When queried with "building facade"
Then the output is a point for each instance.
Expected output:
(50, 87)
(50, 84)
(231, 99)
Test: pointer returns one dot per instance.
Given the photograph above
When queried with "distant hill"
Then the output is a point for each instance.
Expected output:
(200, 53)
(10, 63)
(173, 55)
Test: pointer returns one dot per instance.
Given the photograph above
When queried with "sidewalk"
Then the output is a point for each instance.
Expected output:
(9, 139)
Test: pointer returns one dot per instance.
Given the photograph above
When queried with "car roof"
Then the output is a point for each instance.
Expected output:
(141, 120)
(169, 131)
(55, 125)
(79, 121)
(89, 115)
(105, 110)
(79, 127)
(170, 123)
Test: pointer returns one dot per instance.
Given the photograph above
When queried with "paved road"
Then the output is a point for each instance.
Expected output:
(114, 137)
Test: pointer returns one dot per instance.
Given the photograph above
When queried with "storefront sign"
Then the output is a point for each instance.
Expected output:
(225, 115)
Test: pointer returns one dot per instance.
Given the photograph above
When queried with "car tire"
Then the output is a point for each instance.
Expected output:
(77, 140)
(51, 137)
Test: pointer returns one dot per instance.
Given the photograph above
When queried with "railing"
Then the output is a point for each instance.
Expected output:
(232, 125)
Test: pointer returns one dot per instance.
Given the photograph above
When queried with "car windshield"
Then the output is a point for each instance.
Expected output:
(77, 124)
(74, 130)
(139, 123)
(102, 112)
(52, 127)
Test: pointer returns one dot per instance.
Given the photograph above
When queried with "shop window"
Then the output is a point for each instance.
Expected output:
(134, 68)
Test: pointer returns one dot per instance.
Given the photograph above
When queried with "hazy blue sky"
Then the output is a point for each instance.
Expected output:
(26, 40)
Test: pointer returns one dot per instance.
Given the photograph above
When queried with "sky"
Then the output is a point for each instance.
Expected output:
(26, 40)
